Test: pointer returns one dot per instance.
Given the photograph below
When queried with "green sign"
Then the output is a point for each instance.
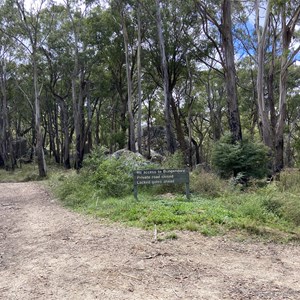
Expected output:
(165, 176)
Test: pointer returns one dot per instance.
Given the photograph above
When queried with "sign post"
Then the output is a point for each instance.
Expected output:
(164, 176)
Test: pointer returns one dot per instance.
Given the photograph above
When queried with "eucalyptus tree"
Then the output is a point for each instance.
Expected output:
(275, 53)
(77, 78)
(58, 68)
(25, 28)
(290, 18)
(292, 136)
(168, 51)
(166, 81)
(6, 153)
(82, 55)
(128, 57)
(217, 16)
(139, 78)
(119, 39)
(105, 34)
(6, 150)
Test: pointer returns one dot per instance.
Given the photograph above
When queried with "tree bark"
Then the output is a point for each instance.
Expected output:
(179, 132)
(33, 36)
(6, 149)
(66, 133)
(39, 136)
(139, 79)
(131, 143)
(77, 86)
(230, 73)
(171, 143)
(261, 45)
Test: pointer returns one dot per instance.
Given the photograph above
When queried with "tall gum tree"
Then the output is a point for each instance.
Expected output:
(128, 57)
(6, 151)
(287, 57)
(262, 34)
(272, 127)
(230, 72)
(225, 49)
(77, 80)
(168, 65)
(171, 143)
(29, 24)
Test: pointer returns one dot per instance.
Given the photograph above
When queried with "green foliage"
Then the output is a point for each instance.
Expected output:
(207, 184)
(71, 188)
(291, 208)
(289, 200)
(247, 158)
(174, 161)
(289, 181)
(113, 177)
(95, 158)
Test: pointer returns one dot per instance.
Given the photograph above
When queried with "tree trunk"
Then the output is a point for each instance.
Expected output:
(261, 45)
(279, 141)
(139, 79)
(215, 118)
(77, 123)
(131, 143)
(66, 133)
(77, 100)
(57, 137)
(77, 88)
(123, 125)
(39, 136)
(179, 131)
(148, 129)
(88, 135)
(171, 143)
(287, 32)
(6, 149)
(230, 73)
(97, 125)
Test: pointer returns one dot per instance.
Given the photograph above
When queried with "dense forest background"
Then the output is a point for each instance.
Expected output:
(148, 75)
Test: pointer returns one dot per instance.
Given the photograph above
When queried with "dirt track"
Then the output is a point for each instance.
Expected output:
(48, 252)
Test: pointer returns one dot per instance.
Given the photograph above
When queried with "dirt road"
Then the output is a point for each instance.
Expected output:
(48, 252)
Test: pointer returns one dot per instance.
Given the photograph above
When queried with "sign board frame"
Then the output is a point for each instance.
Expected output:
(161, 176)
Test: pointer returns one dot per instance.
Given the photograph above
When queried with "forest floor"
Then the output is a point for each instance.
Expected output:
(49, 252)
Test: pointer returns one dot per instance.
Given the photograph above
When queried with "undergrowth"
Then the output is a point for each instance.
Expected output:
(268, 212)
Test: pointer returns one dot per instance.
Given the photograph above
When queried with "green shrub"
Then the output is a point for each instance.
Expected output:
(113, 177)
(95, 158)
(72, 189)
(245, 159)
(207, 184)
(174, 161)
